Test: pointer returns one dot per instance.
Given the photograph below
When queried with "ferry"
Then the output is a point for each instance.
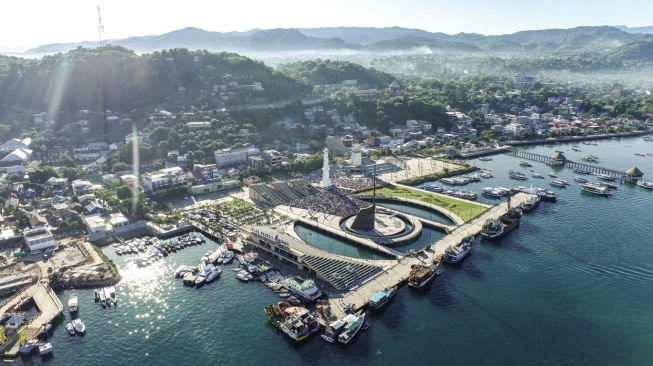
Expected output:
(354, 324)
(596, 189)
(495, 229)
(302, 288)
(381, 298)
(291, 325)
(458, 252)
(644, 184)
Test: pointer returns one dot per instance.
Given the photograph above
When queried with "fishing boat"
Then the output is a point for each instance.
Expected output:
(492, 192)
(596, 189)
(456, 253)
(421, 274)
(333, 330)
(531, 202)
(517, 175)
(495, 229)
(304, 289)
(553, 175)
(381, 298)
(292, 326)
(79, 326)
(645, 184)
(354, 323)
(70, 328)
(73, 302)
(525, 164)
(538, 176)
(559, 183)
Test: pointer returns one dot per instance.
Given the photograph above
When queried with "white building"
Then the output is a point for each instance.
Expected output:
(198, 125)
(14, 144)
(338, 145)
(18, 155)
(81, 186)
(514, 129)
(165, 179)
(272, 158)
(40, 238)
(137, 136)
(95, 224)
(418, 125)
(226, 157)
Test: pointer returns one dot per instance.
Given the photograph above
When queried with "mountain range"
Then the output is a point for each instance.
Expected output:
(376, 40)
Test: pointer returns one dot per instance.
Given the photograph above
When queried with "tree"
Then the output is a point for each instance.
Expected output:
(118, 166)
(41, 175)
(70, 173)
(66, 160)
(124, 192)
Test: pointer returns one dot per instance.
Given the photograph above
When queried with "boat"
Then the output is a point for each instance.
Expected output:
(449, 181)
(432, 188)
(112, 294)
(580, 171)
(648, 138)
(485, 158)
(200, 279)
(606, 177)
(244, 276)
(495, 229)
(458, 252)
(485, 174)
(559, 183)
(538, 176)
(333, 330)
(70, 328)
(421, 274)
(381, 298)
(492, 192)
(590, 158)
(596, 189)
(354, 323)
(609, 185)
(45, 348)
(29, 346)
(553, 175)
(531, 202)
(645, 184)
(103, 298)
(214, 272)
(292, 325)
(525, 164)
(107, 296)
(304, 289)
(581, 180)
(79, 326)
(73, 302)
(517, 175)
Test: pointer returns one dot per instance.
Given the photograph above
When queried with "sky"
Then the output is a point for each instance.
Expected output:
(31, 23)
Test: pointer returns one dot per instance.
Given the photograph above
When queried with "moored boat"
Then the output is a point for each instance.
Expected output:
(333, 330)
(495, 229)
(79, 326)
(531, 202)
(559, 183)
(517, 175)
(292, 326)
(70, 328)
(606, 177)
(73, 302)
(581, 180)
(645, 184)
(302, 288)
(538, 176)
(381, 298)
(421, 274)
(458, 252)
(354, 323)
(213, 273)
(596, 189)
(609, 185)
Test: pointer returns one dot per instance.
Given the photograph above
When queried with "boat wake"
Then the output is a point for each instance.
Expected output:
(618, 274)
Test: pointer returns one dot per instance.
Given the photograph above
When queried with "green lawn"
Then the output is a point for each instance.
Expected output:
(466, 210)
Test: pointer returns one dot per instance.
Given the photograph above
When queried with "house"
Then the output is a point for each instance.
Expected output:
(128, 179)
(251, 180)
(18, 155)
(117, 220)
(95, 224)
(57, 183)
(14, 144)
(165, 179)
(81, 186)
(137, 136)
(198, 125)
(15, 321)
(226, 157)
(38, 221)
(40, 238)
(202, 174)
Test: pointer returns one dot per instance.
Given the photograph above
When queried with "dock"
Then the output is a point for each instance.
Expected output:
(358, 296)
(618, 174)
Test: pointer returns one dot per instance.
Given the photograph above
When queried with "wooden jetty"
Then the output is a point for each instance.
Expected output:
(559, 159)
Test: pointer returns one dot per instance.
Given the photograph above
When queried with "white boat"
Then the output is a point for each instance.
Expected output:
(531, 202)
(553, 175)
(200, 279)
(645, 184)
(596, 189)
(538, 176)
(244, 276)
(606, 177)
(559, 183)
(213, 273)
(29, 346)
(492, 192)
(103, 298)
(448, 181)
(79, 326)
(70, 328)
(353, 324)
(45, 348)
(304, 289)
(112, 294)
(73, 302)
(581, 180)
(456, 253)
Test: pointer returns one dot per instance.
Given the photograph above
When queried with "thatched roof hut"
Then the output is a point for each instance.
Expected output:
(558, 156)
(634, 172)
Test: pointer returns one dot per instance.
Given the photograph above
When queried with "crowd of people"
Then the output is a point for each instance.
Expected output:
(331, 201)
(348, 183)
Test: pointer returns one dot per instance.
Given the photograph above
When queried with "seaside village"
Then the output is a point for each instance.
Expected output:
(54, 232)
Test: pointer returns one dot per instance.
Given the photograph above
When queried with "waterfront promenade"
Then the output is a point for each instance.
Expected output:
(359, 295)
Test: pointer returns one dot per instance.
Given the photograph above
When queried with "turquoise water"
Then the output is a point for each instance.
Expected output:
(571, 286)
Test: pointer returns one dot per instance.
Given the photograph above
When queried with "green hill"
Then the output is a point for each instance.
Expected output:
(321, 72)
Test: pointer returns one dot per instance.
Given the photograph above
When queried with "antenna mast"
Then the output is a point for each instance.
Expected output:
(103, 43)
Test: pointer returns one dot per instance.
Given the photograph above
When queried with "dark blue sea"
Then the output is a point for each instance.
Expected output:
(573, 285)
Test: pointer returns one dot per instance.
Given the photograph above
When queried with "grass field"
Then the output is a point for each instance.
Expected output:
(466, 210)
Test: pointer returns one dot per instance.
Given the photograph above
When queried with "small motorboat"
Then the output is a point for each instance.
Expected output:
(78, 326)
(70, 328)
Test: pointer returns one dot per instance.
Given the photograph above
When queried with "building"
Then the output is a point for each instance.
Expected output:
(418, 125)
(38, 118)
(137, 136)
(251, 180)
(118, 220)
(339, 145)
(40, 238)
(95, 224)
(514, 129)
(227, 157)
(14, 144)
(272, 158)
(17, 156)
(165, 179)
(202, 174)
(81, 186)
(523, 80)
(256, 162)
(198, 125)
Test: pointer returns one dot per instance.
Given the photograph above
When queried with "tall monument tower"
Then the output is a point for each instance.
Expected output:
(326, 182)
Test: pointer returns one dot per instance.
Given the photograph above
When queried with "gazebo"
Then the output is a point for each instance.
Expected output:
(633, 174)
(558, 159)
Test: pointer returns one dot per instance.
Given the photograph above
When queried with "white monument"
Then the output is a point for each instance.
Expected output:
(356, 156)
(326, 182)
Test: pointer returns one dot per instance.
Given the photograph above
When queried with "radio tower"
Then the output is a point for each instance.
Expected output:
(103, 44)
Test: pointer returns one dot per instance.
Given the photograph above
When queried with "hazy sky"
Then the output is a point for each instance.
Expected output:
(29, 23)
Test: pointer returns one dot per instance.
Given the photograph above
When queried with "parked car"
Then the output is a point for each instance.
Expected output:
(35, 252)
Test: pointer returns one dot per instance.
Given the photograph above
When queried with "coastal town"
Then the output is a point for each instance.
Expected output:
(266, 174)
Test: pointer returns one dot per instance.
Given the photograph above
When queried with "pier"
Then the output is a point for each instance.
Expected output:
(358, 296)
(595, 169)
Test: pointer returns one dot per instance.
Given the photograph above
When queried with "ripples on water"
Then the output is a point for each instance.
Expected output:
(572, 285)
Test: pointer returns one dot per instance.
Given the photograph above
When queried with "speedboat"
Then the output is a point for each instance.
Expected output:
(213, 273)
(538, 176)
(517, 175)
(525, 164)
(485, 159)
(559, 183)
(609, 185)
(581, 180)
(70, 328)
(553, 175)
(645, 184)
(79, 326)
(244, 276)
(606, 177)
(200, 279)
